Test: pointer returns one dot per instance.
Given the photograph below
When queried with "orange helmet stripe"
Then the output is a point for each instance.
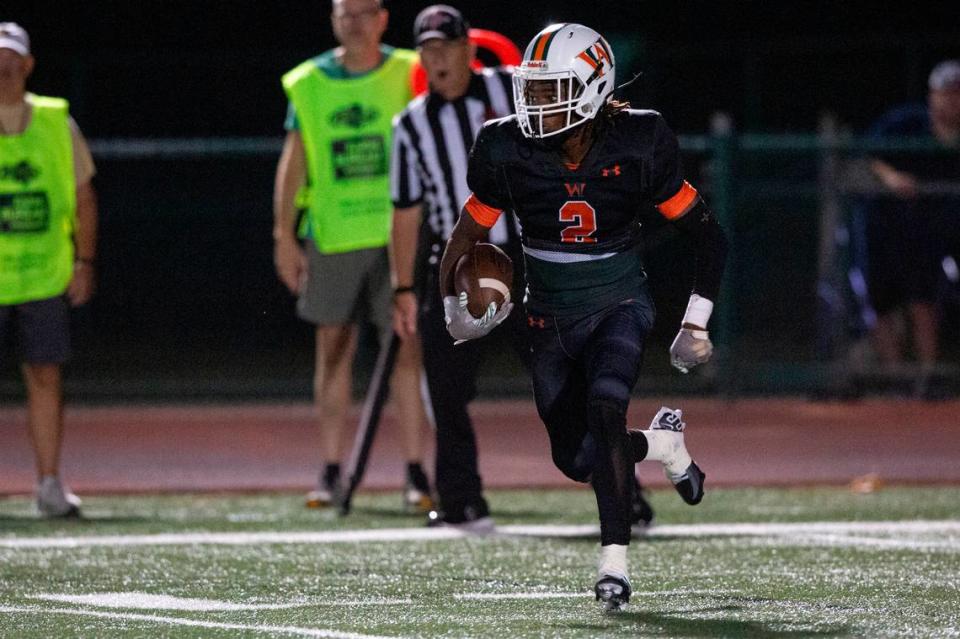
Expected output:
(541, 47)
(543, 43)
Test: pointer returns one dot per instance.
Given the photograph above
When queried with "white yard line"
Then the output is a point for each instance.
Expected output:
(238, 539)
(859, 541)
(809, 530)
(753, 529)
(195, 623)
(501, 596)
(149, 601)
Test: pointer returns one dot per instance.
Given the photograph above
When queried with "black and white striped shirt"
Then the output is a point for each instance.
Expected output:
(431, 141)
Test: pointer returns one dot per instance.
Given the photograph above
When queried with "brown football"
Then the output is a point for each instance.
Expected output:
(485, 273)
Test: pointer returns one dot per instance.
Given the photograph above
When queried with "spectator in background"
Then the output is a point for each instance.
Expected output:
(432, 138)
(338, 143)
(48, 237)
(906, 232)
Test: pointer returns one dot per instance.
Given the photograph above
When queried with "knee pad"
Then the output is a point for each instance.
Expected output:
(611, 388)
(607, 417)
(580, 467)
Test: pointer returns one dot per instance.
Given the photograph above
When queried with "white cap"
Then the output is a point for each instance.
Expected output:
(14, 37)
(945, 75)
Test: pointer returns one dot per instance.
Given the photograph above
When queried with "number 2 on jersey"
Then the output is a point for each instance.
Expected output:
(585, 219)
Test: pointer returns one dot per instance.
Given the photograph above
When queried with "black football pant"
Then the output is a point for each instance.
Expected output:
(451, 373)
(584, 369)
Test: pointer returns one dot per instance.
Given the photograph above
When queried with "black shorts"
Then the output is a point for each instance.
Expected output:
(41, 330)
(903, 256)
(580, 359)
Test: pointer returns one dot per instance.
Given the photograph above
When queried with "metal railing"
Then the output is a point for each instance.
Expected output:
(785, 200)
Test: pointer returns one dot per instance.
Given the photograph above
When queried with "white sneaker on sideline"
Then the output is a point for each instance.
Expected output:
(54, 500)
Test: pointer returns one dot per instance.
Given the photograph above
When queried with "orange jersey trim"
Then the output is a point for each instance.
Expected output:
(679, 203)
(481, 213)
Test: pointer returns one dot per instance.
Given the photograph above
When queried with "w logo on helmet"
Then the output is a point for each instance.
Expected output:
(597, 56)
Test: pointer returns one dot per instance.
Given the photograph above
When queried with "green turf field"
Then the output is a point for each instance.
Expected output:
(746, 563)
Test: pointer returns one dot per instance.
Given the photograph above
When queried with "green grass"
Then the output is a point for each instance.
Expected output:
(843, 583)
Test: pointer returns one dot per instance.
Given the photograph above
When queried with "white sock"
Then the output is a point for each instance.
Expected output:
(613, 560)
(666, 447)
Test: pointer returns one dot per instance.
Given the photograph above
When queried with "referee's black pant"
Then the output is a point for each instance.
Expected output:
(451, 373)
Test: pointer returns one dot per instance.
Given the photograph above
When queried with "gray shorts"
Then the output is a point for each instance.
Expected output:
(346, 288)
(42, 330)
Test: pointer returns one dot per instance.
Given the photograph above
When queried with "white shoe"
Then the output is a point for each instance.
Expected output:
(680, 469)
(325, 495)
(53, 500)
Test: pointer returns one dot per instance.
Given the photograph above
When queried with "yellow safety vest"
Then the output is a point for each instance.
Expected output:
(38, 205)
(346, 129)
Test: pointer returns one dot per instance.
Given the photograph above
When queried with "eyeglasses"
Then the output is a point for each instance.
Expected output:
(357, 16)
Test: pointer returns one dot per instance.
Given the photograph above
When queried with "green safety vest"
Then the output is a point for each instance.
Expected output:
(345, 125)
(38, 205)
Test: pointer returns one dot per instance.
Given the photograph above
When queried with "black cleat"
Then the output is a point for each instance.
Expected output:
(613, 592)
(472, 520)
(690, 486)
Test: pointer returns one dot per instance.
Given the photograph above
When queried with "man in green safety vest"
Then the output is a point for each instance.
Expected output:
(335, 166)
(48, 231)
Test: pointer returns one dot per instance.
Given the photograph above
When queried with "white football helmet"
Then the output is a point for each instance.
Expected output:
(579, 63)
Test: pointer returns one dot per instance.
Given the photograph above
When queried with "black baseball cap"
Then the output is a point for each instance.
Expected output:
(439, 21)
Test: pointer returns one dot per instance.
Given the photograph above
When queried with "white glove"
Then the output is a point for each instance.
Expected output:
(463, 326)
(689, 348)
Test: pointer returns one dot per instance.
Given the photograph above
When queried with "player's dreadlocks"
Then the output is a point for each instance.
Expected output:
(612, 108)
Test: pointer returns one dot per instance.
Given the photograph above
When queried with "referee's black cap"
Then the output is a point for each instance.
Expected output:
(439, 21)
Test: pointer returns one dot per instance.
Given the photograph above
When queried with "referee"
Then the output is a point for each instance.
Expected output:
(428, 174)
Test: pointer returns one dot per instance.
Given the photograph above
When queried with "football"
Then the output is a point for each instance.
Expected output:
(485, 273)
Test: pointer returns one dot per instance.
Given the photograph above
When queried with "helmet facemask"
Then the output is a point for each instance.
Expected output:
(540, 96)
(564, 80)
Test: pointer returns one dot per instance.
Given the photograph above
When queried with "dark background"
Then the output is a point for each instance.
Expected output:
(188, 305)
(210, 68)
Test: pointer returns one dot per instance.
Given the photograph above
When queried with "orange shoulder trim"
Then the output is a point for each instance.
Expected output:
(481, 213)
(679, 203)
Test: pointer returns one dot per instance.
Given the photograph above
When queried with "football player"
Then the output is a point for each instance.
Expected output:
(581, 170)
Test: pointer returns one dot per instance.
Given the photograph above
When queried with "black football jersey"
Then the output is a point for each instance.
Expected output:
(584, 220)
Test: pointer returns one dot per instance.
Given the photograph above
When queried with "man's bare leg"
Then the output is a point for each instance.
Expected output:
(332, 381)
(405, 384)
(44, 415)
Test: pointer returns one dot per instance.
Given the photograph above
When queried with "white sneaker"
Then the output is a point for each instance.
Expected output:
(668, 427)
(325, 495)
(53, 500)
